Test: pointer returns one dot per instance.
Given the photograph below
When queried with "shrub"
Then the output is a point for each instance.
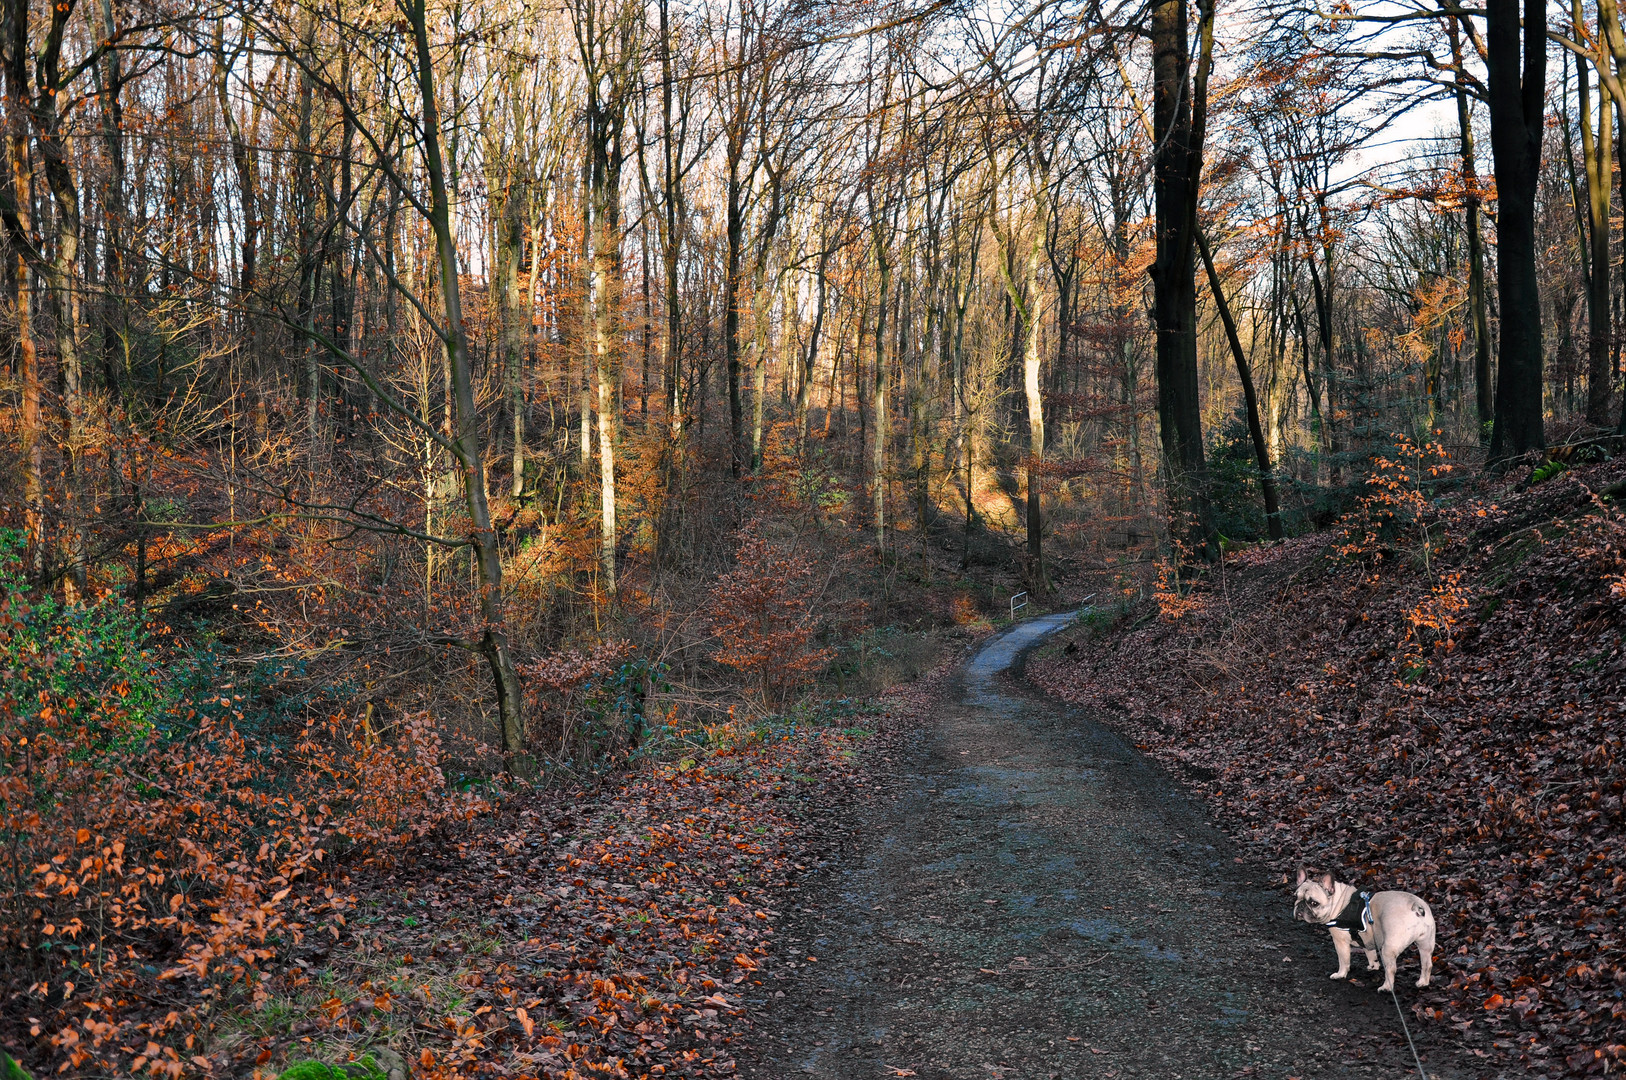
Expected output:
(144, 838)
(765, 615)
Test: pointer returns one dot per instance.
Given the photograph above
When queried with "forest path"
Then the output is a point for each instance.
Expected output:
(1030, 897)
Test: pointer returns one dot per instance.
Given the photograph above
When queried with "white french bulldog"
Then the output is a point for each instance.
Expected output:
(1387, 923)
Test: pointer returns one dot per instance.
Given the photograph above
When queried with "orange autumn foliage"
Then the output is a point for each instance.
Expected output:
(765, 615)
(149, 841)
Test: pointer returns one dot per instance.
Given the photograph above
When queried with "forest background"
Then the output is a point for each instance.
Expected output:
(405, 401)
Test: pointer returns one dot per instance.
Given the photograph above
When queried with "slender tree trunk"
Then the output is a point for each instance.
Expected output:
(735, 228)
(671, 340)
(308, 256)
(761, 299)
(1517, 92)
(1261, 449)
(493, 641)
(1598, 153)
(1032, 359)
(1027, 304)
(647, 330)
(242, 162)
(1483, 397)
(810, 353)
(1321, 293)
(883, 386)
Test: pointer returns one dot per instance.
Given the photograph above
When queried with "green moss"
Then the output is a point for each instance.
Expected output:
(363, 1069)
(10, 1070)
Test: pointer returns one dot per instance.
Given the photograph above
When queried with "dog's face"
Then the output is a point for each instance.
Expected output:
(1313, 901)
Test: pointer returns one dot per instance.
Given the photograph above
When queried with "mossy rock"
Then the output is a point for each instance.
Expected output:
(10, 1070)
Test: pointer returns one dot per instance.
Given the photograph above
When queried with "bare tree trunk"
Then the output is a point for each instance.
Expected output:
(1261, 449)
(308, 258)
(671, 239)
(810, 354)
(882, 386)
(1483, 397)
(1517, 93)
(493, 642)
(1176, 173)
(734, 237)
(513, 314)
(1597, 151)
(1025, 301)
(20, 232)
(607, 46)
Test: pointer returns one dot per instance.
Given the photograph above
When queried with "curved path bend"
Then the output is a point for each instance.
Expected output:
(1032, 898)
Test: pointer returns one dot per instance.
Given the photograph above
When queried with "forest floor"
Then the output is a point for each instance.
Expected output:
(1430, 697)
(1032, 897)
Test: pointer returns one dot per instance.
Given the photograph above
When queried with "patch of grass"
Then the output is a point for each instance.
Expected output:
(364, 999)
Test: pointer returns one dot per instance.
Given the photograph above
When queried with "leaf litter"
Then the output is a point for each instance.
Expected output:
(1438, 707)
(604, 932)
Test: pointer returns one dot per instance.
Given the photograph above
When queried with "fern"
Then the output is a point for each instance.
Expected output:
(1546, 472)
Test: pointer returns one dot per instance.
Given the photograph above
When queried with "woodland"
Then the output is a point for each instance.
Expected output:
(472, 448)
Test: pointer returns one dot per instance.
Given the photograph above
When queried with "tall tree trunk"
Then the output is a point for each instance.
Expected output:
(810, 353)
(646, 329)
(1597, 151)
(513, 313)
(493, 641)
(308, 256)
(19, 197)
(671, 239)
(1026, 303)
(1176, 173)
(1322, 295)
(761, 309)
(1517, 92)
(60, 272)
(605, 52)
(1484, 399)
(735, 229)
(882, 385)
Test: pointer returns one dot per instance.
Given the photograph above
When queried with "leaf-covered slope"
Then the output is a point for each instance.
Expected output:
(1442, 712)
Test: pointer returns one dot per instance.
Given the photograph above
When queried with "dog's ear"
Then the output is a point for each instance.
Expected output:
(1325, 881)
(1304, 875)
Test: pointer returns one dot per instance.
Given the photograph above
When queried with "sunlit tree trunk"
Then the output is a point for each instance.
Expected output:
(606, 39)
(1597, 153)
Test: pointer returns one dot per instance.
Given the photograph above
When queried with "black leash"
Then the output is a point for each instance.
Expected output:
(1403, 1027)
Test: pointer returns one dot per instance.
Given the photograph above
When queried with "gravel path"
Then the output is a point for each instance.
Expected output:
(1032, 898)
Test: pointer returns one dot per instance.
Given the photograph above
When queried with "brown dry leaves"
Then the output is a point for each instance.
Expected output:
(1456, 731)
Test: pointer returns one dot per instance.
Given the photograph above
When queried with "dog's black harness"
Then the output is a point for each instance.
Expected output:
(1354, 919)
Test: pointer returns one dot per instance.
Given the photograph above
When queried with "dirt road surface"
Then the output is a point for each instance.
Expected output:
(1032, 898)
